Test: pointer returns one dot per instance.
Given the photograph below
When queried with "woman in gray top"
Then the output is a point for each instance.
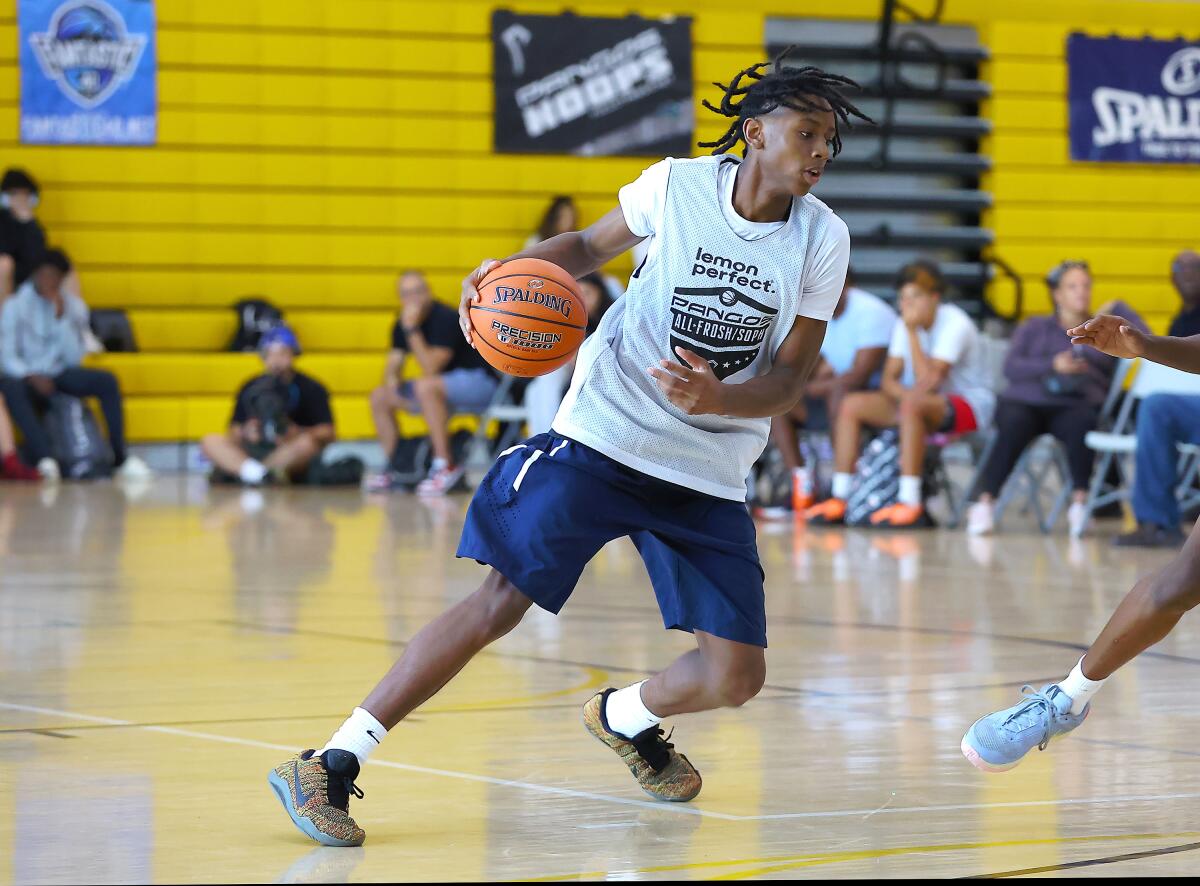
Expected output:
(1053, 388)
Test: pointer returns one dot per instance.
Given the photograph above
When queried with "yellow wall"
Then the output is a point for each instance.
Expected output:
(309, 148)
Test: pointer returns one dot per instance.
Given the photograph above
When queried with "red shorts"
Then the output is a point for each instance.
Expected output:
(961, 417)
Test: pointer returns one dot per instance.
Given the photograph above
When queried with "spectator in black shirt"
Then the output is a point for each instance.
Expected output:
(454, 379)
(281, 420)
(22, 240)
(1185, 275)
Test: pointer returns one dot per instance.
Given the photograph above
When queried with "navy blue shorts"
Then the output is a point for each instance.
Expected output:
(550, 504)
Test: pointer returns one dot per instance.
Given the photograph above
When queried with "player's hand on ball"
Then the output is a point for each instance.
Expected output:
(1110, 335)
(692, 385)
(470, 295)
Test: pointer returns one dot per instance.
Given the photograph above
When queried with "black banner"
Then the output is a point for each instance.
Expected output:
(570, 84)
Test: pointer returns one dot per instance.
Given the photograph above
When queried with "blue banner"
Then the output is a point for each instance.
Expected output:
(1133, 101)
(88, 72)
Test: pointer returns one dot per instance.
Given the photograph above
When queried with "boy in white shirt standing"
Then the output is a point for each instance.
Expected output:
(935, 379)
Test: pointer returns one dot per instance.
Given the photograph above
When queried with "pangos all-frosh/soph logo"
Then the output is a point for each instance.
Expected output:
(87, 51)
(724, 326)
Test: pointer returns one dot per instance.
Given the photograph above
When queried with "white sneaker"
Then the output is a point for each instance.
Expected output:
(134, 469)
(48, 468)
(981, 518)
(1077, 519)
(440, 481)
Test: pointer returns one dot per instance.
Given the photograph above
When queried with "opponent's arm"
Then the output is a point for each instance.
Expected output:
(576, 252)
(694, 388)
(1116, 337)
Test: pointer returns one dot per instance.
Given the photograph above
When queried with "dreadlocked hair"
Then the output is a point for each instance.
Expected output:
(760, 93)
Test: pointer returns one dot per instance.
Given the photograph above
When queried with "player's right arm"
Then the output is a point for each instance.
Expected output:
(1117, 337)
(576, 252)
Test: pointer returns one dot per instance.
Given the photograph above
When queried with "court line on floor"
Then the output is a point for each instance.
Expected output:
(1087, 863)
(604, 798)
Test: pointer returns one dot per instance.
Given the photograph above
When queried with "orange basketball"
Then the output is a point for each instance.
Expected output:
(529, 319)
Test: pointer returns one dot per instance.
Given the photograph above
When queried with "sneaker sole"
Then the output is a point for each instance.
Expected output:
(284, 793)
(649, 794)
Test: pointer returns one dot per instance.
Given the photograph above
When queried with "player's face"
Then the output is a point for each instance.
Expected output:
(278, 360)
(1074, 292)
(797, 145)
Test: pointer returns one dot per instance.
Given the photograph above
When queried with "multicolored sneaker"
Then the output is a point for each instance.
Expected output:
(315, 791)
(902, 516)
(662, 773)
(998, 742)
(441, 481)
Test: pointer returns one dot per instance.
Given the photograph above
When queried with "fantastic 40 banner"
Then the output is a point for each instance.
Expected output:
(88, 72)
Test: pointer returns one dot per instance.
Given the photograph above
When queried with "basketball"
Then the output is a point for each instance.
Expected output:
(529, 319)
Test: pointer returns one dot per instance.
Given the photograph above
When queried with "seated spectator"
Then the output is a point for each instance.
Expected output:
(1053, 388)
(454, 379)
(1185, 276)
(11, 466)
(561, 216)
(1163, 422)
(41, 347)
(852, 355)
(935, 379)
(545, 393)
(281, 420)
(22, 240)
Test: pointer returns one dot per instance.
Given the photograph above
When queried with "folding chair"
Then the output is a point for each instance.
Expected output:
(506, 408)
(1116, 447)
(1029, 481)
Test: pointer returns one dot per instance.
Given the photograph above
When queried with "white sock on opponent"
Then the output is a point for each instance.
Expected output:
(252, 471)
(627, 714)
(360, 734)
(910, 491)
(1079, 688)
(841, 485)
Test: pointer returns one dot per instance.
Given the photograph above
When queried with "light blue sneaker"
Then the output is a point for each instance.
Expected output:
(997, 742)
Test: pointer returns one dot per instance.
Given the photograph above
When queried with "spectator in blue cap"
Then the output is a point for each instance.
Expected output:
(281, 420)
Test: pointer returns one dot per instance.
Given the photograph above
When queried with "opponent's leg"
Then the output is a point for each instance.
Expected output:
(315, 788)
(1146, 615)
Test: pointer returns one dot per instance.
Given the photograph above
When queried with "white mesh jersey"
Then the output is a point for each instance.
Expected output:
(732, 301)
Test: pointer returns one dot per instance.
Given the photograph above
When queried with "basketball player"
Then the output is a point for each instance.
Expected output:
(670, 405)
(999, 741)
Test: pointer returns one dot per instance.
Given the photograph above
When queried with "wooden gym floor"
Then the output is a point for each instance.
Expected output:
(159, 652)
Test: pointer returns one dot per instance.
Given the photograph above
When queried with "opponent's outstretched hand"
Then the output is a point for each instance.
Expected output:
(470, 295)
(1110, 335)
(692, 385)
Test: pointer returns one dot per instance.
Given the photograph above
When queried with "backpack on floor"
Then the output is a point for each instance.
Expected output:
(76, 443)
(876, 480)
(413, 456)
(255, 316)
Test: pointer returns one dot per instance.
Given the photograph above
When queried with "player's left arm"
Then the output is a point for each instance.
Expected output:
(693, 387)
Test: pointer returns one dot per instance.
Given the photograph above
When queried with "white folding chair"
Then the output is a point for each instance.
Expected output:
(1117, 446)
(506, 408)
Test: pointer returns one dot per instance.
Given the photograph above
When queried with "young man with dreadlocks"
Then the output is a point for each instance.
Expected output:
(670, 405)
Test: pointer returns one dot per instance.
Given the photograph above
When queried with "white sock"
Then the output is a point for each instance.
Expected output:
(360, 734)
(627, 715)
(1079, 688)
(802, 478)
(438, 464)
(252, 471)
(841, 485)
(910, 491)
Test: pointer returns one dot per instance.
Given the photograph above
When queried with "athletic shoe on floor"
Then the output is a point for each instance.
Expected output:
(802, 497)
(133, 468)
(441, 481)
(662, 773)
(901, 516)
(315, 792)
(997, 742)
(831, 512)
(49, 471)
(981, 518)
(1077, 519)
(12, 468)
